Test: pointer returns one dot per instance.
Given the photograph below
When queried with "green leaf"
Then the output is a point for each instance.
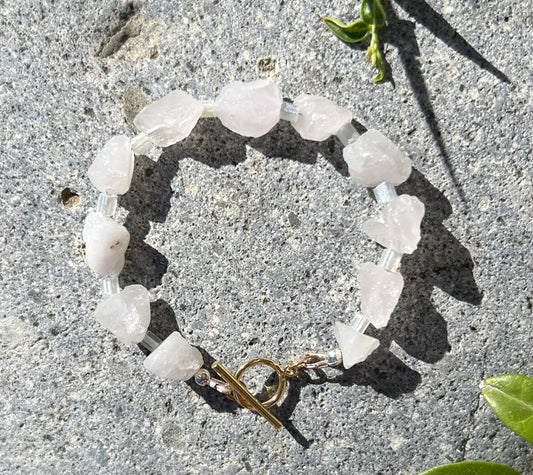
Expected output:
(471, 468)
(372, 12)
(352, 33)
(511, 398)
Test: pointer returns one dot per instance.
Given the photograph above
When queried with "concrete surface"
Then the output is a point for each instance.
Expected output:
(252, 246)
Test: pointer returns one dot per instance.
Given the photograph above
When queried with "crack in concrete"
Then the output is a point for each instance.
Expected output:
(473, 412)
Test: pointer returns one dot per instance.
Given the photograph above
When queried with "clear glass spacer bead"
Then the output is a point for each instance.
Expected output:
(140, 144)
(209, 109)
(107, 204)
(202, 377)
(385, 192)
(110, 285)
(334, 357)
(150, 341)
(347, 134)
(359, 323)
(390, 260)
(288, 112)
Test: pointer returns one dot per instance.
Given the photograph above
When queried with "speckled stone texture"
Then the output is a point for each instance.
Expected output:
(251, 246)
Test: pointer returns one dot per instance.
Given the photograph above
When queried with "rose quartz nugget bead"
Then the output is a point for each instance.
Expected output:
(250, 109)
(318, 117)
(174, 359)
(112, 169)
(106, 242)
(170, 119)
(398, 225)
(380, 292)
(355, 346)
(373, 158)
(126, 314)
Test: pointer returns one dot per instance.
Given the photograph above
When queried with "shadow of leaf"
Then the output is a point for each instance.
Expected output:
(434, 22)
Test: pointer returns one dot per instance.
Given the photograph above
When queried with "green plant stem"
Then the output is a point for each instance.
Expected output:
(374, 55)
(372, 19)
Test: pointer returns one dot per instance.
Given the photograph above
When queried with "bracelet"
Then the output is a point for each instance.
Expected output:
(251, 109)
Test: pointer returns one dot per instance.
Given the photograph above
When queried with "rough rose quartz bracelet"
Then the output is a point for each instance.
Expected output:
(251, 109)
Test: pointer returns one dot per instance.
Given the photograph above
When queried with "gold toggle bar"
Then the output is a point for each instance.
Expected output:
(243, 393)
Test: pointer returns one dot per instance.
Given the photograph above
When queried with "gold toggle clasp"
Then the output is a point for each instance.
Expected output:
(239, 391)
(243, 396)
(280, 371)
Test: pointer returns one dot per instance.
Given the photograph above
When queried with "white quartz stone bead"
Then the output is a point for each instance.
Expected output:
(170, 119)
(174, 359)
(318, 117)
(112, 169)
(373, 158)
(380, 292)
(397, 226)
(250, 109)
(355, 346)
(106, 242)
(126, 314)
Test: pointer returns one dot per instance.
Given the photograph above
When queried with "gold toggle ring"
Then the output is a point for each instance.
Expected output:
(282, 380)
